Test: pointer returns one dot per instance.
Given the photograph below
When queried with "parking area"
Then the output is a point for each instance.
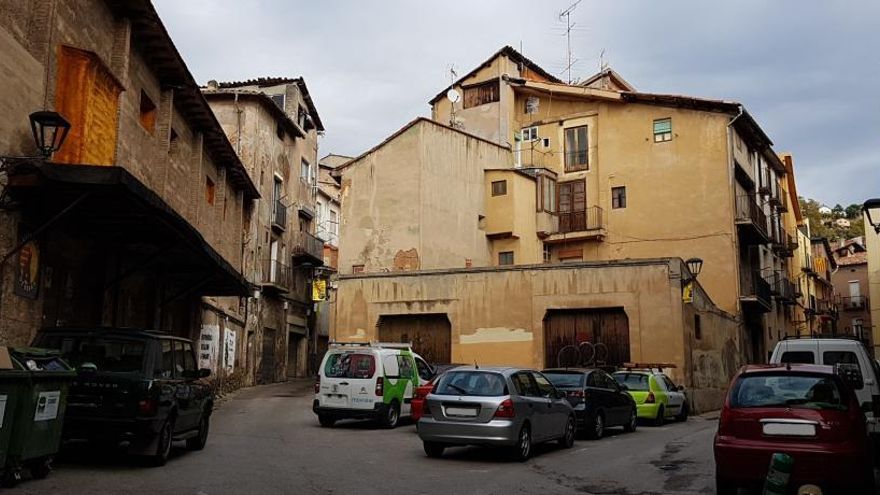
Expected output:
(267, 440)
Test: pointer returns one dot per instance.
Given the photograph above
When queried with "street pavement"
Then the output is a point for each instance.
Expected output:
(267, 440)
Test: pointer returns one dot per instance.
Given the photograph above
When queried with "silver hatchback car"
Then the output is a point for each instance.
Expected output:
(508, 407)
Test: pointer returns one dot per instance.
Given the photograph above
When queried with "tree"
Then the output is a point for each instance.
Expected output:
(837, 211)
(853, 211)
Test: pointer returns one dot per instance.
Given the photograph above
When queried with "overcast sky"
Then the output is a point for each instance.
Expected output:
(807, 70)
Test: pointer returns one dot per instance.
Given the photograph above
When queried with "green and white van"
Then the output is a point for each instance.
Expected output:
(368, 381)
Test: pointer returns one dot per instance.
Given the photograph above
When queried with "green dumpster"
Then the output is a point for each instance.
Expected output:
(39, 413)
(14, 384)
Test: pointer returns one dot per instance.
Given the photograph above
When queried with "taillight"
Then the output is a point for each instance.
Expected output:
(380, 386)
(724, 422)
(148, 407)
(318, 384)
(576, 393)
(650, 399)
(505, 409)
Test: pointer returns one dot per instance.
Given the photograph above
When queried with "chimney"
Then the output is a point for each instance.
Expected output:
(213, 85)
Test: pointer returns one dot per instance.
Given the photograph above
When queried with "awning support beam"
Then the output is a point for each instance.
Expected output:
(33, 235)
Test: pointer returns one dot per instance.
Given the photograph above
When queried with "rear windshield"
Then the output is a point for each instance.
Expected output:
(350, 365)
(798, 357)
(787, 390)
(478, 383)
(103, 354)
(637, 382)
(565, 380)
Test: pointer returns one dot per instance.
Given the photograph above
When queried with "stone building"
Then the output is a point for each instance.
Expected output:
(273, 126)
(850, 282)
(137, 220)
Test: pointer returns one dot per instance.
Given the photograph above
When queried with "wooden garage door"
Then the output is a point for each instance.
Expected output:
(430, 334)
(608, 326)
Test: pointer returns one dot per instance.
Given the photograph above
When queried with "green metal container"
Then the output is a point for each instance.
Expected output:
(14, 385)
(39, 414)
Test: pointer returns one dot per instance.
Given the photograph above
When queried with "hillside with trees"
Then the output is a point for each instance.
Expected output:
(824, 225)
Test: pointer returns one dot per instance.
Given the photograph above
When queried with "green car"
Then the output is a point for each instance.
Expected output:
(657, 397)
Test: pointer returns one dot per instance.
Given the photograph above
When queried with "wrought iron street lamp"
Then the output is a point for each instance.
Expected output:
(872, 211)
(694, 266)
(50, 130)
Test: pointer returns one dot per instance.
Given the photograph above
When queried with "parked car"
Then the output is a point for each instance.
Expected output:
(422, 391)
(805, 411)
(368, 381)
(830, 352)
(599, 402)
(136, 387)
(657, 397)
(505, 407)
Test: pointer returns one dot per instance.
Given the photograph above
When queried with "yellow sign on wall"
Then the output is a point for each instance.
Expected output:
(687, 293)
(319, 290)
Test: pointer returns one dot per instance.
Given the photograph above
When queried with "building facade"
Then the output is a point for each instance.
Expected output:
(872, 251)
(137, 220)
(850, 282)
(275, 131)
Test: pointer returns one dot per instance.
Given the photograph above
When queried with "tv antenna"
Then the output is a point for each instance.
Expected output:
(453, 96)
(566, 16)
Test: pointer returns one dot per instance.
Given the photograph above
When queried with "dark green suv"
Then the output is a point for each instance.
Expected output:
(134, 387)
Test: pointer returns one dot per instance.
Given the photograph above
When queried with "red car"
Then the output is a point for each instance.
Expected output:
(806, 411)
(418, 400)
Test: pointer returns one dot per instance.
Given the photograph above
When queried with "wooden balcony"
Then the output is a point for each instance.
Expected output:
(751, 221)
(755, 292)
(307, 248)
(588, 224)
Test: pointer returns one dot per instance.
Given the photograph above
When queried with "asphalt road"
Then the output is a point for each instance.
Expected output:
(266, 440)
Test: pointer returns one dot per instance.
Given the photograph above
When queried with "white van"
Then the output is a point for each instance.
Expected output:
(831, 351)
(368, 381)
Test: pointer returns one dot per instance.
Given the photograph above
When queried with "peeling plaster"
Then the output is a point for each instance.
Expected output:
(496, 334)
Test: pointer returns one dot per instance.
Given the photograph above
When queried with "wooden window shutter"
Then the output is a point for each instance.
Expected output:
(87, 95)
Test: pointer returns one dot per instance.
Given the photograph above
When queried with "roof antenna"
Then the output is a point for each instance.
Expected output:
(476, 366)
(567, 15)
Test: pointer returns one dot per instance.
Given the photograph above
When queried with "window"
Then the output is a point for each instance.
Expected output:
(524, 385)
(573, 206)
(576, 149)
(618, 197)
(545, 388)
(357, 268)
(476, 383)
(505, 258)
(350, 365)
(499, 188)
(405, 365)
(425, 371)
(87, 94)
(301, 117)
(633, 381)
(787, 391)
(277, 191)
(547, 253)
(178, 359)
(209, 190)
(529, 134)
(482, 93)
(662, 130)
(669, 385)
(166, 369)
(546, 194)
(173, 143)
(147, 113)
(698, 327)
(189, 362)
(334, 223)
(798, 357)
(279, 100)
(305, 172)
(563, 379)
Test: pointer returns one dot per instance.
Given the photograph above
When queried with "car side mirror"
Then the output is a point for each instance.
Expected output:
(623, 388)
(851, 375)
(680, 388)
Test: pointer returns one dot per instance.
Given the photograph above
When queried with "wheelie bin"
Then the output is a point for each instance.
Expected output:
(14, 386)
(39, 414)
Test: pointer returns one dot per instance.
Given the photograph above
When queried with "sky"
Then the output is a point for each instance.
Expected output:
(807, 70)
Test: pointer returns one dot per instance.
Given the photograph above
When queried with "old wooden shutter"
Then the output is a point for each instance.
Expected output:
(87, 95)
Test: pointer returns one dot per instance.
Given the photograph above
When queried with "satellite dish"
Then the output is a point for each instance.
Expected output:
(453, 96)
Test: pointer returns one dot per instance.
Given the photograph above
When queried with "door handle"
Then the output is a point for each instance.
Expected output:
(343, 383)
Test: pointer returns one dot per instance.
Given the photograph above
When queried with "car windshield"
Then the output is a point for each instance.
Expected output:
(565, 380)
(350, 365)
(478, 383)
(637, 382)
(787, 390)
(104, 354)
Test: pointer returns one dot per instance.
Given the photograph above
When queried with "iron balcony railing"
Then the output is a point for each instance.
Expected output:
(825, 306)
(576, 221)
(854, 303)
(783, 288)
(279, 215)
(276, 274)
(752, 284)
(307, 245)
(748, 210)
(808, 264)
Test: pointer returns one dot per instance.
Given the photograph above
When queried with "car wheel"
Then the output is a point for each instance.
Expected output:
(596, 430)
(433, 449)
(326, 421)
(566, 441)
(41, 468)
(11, 477)
(163, 443)
(633, 422)
(198, 442)
(523, 448)
(724, 486)
(683, 415)
(392, 416)
(660, 420)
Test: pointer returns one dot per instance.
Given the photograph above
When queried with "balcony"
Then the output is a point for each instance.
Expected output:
(755, 292)
(751, 220)
(305, 198)
(579, 225)
(783, 201)
(764, 187)
(307, 248)
(279, 216)
(275, 276)
(807, 267)
(854, 303)
(785, 244)
(826, 307)
(783, 288)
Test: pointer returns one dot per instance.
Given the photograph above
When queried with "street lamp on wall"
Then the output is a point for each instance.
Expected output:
(695, 265)
(50, 130)
(872, 211)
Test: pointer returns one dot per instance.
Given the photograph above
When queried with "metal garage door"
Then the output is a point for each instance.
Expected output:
(586, 337)
(430, 334)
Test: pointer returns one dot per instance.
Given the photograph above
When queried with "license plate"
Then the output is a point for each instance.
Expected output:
(467, 412)
(790, 429)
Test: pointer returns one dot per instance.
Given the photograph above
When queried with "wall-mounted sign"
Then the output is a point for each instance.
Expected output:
(27, 271)
(687, 293)
(319, 290)
(209, 341)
